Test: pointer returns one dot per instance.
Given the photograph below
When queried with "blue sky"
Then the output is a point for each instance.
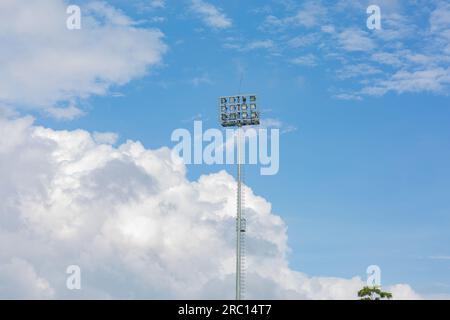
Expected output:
(364, 174)
(361, 181)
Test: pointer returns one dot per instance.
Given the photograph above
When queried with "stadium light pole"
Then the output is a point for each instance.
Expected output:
(238, 111)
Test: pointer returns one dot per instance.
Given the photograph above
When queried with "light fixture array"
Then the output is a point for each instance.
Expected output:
(238, 111)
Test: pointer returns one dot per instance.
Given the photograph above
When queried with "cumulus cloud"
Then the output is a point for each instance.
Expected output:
(44, 65)
(65, 113)
(211, 15)
(105, 137)
(19, 279)
(133, 222)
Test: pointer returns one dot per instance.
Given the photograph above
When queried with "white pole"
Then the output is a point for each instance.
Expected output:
(238, 219)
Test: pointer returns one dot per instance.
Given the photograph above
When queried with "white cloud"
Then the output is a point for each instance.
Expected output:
(311, 14)
(440, 17)
(19, 279)
(105, 137)
(347, 96)
(406, 56)
(135, 225)
(64, 113)
(45, 65)
(403, 290)
(157, 3)
(211, 15)
(277, 124)
(232, 43)
(309, 60)
(357, 70)
(412, 58)
(355, 40)
(107, 14)
(428, 80)
(328, 29)
(303, 40)
(149, 6)
(396, 27)
(158, 19)
(272, 21)
(387, 58)
(199, 80)
(260, 44)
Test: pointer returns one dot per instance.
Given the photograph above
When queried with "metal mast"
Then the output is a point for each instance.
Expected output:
(238, 111)
(239, 228)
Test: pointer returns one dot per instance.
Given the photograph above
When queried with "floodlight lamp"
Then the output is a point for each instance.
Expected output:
(238, 110)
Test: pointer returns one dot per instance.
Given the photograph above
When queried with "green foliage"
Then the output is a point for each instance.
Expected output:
(373, 293)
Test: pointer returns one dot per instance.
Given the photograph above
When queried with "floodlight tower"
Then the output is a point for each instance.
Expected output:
(238, 111)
